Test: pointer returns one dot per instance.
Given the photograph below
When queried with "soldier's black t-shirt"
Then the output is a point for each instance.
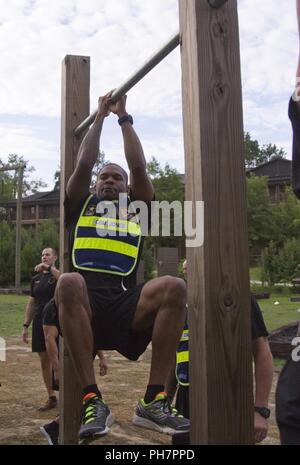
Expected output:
(258, 327)
(42, 289)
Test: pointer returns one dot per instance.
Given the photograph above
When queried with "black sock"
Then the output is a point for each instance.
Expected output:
(152, 391)
(92, 388)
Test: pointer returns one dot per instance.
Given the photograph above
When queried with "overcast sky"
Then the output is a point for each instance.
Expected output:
(119, 35)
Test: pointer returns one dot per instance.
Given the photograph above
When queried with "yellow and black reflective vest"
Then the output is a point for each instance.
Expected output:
(182, 358)
(105, 244)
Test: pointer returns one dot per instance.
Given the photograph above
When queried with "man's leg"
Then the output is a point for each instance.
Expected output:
(46, 369)
(162, 304)
(75, 321)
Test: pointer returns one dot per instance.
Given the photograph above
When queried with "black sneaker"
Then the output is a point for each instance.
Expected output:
(96, 418)
(51, 430)
(160, 416)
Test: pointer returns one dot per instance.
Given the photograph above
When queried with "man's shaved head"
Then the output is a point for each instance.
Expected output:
(125, 175)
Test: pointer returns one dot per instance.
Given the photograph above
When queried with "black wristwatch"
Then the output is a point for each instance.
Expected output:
(263, 411)
(125, 118)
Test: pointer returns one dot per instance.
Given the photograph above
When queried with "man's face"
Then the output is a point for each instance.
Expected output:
(111, 182)
(48, 257)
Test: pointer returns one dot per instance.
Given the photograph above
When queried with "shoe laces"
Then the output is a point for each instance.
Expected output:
(90, 410)
(166, 405)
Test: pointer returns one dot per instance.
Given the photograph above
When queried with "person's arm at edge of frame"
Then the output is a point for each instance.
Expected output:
(294, 115)
(264, 368)
(79, 183)
(141, 185)
(29, 314)
(103, 367)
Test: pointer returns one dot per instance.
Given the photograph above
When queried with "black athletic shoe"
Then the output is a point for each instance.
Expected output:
(95, 418)
(160, 416)
(50, 430)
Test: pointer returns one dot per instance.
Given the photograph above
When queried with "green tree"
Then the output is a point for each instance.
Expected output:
(9, 179)
(281, 264)
(7, 253)
(98, 165)
(260, 214)
(168, 187)
(256, 155)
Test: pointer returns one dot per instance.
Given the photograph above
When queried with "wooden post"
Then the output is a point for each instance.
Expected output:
(75, 108)
(18, 230)
(221, 402)
(20, 173)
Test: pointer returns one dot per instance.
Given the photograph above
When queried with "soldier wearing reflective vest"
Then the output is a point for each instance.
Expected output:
(96, 310)
(263, 362)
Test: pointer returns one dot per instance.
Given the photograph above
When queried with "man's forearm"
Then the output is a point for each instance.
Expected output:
(52, 352)
(89, 148)
(29, 313)
(133, 148)
(263, 377)
(55, 272)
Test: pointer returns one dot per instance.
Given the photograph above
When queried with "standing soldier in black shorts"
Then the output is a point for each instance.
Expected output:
(42, 290)
(96, 311)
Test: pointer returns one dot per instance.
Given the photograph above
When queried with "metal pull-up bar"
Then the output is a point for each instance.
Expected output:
(134, 79)
(145, 69)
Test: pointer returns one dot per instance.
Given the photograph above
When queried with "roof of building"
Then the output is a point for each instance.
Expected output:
(38, 197)
(278, 169)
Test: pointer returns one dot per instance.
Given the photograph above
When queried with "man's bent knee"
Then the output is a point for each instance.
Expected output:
(174, 289)
(69, 286)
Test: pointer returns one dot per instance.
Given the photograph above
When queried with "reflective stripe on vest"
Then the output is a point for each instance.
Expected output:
(182, 358)
(105, 245)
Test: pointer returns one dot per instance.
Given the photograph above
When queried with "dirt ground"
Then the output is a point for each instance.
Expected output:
(22, 392)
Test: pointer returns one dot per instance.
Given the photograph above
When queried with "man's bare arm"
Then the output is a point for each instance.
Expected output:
(263, 362)
(79, 183)
(29, 314)
(141, 185)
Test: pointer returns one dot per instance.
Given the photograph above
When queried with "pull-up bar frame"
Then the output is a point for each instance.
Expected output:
(153, 61)
(135, 78)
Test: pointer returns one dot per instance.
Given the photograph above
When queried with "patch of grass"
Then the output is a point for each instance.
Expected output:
(279, 363)
(255, 273)
(12, 310)
(281, 314)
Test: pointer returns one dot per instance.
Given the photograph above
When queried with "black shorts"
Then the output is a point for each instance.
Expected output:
(50, 315)
(113, 311)
(38, 339)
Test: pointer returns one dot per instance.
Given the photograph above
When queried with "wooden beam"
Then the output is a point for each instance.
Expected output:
(221, 402)
(75, 108)
(18, 229)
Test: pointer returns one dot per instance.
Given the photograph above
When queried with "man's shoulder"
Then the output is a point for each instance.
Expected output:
(72, 209)
(37, 276)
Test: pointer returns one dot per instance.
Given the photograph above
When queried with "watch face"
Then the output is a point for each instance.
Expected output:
(263, 411)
